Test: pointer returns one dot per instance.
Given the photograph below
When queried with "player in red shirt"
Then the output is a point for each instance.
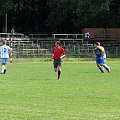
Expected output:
(57, 54)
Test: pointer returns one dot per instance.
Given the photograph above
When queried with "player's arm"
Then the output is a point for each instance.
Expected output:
(102, 52)
(52, 56)
(52, 53)
(10, 55)
(64, 54)
(94, 54)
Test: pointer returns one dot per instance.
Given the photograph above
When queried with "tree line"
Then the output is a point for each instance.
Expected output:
(58, 16)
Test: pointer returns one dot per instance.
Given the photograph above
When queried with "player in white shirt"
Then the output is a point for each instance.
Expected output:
(5, 53)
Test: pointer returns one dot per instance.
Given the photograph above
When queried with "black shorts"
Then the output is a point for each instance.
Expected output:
(57, 63)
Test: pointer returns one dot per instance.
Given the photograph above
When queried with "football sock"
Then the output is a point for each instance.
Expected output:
(106, 67)
(3, 68)
(59, 73)
(101, 69)
(4, 71)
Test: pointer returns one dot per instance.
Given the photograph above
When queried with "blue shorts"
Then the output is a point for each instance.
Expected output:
(100, 61)
(57, 63)
(4, 61)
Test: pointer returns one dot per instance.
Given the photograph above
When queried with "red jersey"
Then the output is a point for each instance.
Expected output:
(58, 52)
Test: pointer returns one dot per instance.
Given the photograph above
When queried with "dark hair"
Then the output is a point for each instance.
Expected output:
(4, 41)
(58, 42)
(97, 43)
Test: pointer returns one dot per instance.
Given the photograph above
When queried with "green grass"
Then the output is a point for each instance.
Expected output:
(30, 91)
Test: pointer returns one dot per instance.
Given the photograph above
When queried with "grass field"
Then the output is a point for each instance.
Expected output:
(30, 91)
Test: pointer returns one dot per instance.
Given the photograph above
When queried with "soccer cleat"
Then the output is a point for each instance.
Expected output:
(109, 70)
(4, 71)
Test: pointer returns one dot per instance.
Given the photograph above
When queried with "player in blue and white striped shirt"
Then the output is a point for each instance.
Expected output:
(5, 53)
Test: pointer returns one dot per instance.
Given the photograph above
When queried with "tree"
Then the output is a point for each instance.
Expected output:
(115, 13)
(75, 13)
(29, 15)
(58, 16)
(5, 6)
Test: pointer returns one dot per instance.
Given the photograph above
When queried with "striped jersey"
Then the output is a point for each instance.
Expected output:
(4, 51)
(98, 51)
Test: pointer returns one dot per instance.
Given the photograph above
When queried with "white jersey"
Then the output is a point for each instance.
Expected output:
(4, 51)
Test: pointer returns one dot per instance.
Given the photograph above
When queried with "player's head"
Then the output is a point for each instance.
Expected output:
(57, 44)
(4, 42)
(97, 44)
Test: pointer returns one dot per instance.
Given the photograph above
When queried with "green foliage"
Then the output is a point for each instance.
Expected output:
(78, 12)
(65, 16)
(5, 6)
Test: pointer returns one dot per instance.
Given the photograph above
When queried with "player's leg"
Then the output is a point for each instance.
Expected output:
(4, 61)
(59, 69)
(104, 65)
(56, 68)
(3, 68)
(55, 65)
(99, 66)
(59, 72)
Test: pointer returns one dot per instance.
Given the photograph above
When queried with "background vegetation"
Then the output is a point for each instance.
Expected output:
(58, 16)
